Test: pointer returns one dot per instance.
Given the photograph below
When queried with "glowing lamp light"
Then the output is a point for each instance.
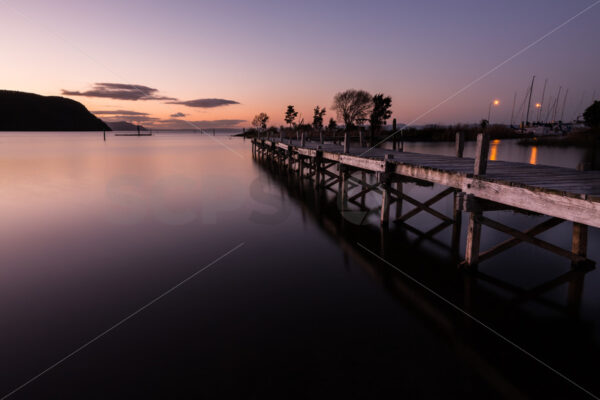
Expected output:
(496, 102)
(537, 105)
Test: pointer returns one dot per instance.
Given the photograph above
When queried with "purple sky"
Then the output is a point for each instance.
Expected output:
(265, 55)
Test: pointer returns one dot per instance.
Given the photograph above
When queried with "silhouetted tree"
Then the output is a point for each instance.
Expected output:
(591, 115)
(260, 121)
(290, 115)
(318, 115)
(332, 126)
(483, 124)
(352, 106)
(379, 113)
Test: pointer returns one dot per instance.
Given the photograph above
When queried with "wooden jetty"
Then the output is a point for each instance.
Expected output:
(478, 185)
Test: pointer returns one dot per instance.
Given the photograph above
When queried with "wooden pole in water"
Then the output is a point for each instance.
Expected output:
(385, 192)
(346, 143)
(317, 161)
(460, 144)
(474, 230)
(105, 136)
(302, 140)
(457, 214)
(579, 244)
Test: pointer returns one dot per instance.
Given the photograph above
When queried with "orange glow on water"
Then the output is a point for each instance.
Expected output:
(494, 149)
(533, 157)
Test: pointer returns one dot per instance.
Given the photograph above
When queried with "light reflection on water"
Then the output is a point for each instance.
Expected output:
(92, 230)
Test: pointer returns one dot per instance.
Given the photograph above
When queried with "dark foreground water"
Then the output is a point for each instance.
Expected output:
(280, 295)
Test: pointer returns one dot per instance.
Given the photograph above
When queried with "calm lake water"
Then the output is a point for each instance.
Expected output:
(279, 296)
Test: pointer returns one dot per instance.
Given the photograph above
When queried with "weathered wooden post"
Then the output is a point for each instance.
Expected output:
(360, 137)
(457, 214)
(317, 161)
(302, 140)
(481, 153)
(105, 136)
(346, 143)
(281, 136)
(321, 135)
(579, 243)
(460, 144)
(474, 230)
(400, 190)
(385, 187)
(343, 187)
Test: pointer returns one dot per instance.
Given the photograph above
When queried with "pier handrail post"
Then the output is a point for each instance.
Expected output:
(460, 144)
(346, 143)
(281, 136)
(302, 140)
(481, 153)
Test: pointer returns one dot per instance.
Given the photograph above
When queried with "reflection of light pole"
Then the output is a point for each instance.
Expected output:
(493, 103)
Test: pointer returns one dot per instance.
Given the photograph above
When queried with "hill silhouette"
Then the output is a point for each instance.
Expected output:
(20, 111)
(124, 126)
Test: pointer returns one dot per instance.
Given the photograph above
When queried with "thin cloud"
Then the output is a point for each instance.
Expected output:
(119, 91)
(120, 112)
(175, 123)
(178, 115)
(205, 103)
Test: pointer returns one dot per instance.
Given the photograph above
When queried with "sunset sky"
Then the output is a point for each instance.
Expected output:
(240, 58)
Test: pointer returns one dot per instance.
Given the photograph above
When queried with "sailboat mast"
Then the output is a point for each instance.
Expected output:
(556, 105)
(542, 102)
(529, 103)
(512, 115)
(562, 114)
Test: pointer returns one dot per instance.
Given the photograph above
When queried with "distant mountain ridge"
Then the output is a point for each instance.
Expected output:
(124, 126)
(21, 111)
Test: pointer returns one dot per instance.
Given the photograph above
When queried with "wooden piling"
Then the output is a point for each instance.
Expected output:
(460, 144)
(302, 140)
(481, 153)
(385, 191)
(346, 143)
(473, 240)
(399, 189)
(317, 161)
(343, 188)
(474, 230)
(579, 242)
